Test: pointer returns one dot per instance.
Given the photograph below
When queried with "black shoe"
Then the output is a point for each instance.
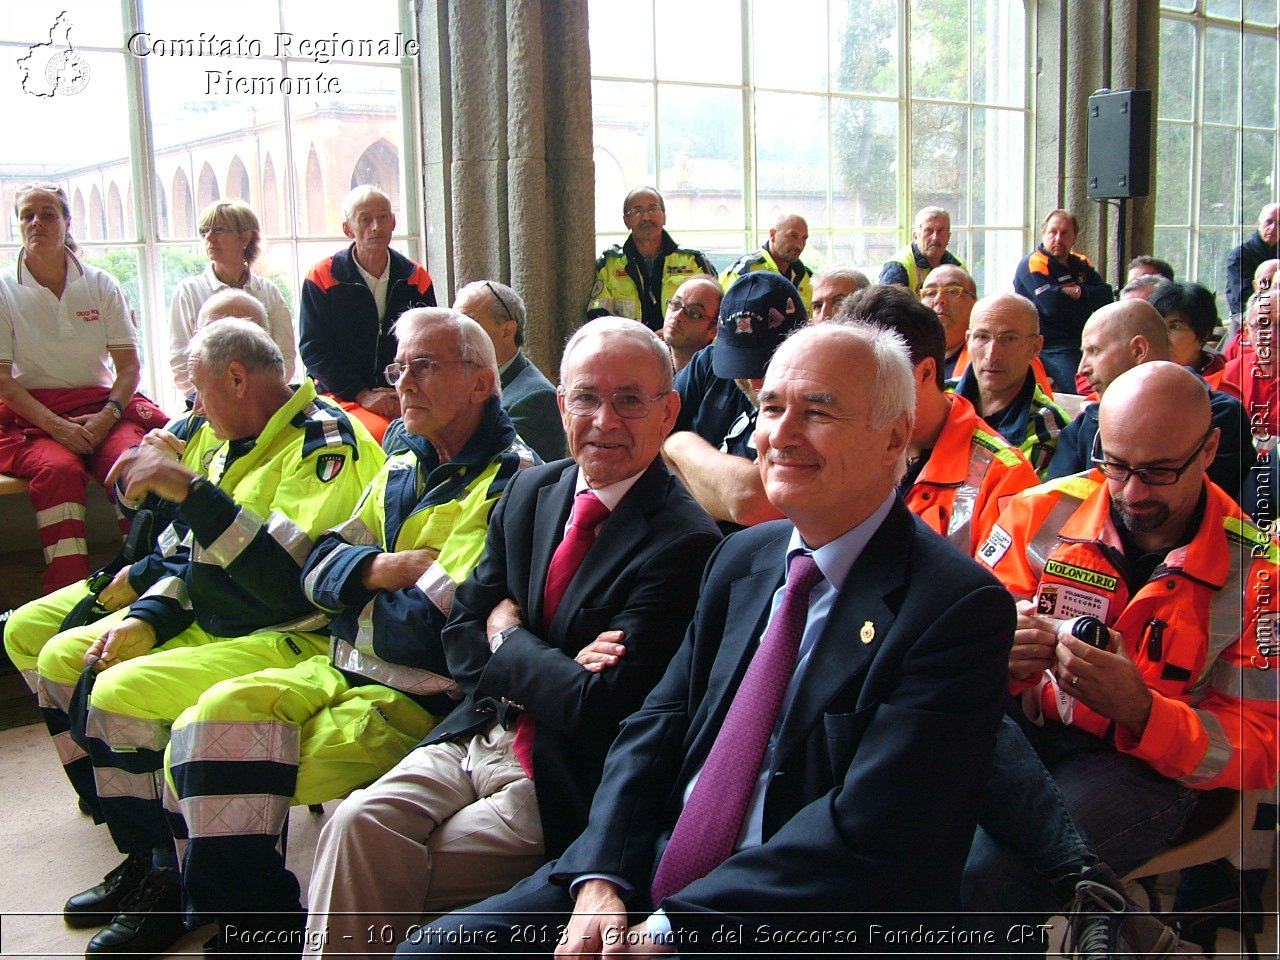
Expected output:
(97, 905)
(1102, 924)
(149, 923)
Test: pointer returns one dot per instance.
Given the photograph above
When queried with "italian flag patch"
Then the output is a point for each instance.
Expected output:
(329, 465)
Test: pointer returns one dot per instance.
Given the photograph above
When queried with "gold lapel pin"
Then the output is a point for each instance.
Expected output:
(868, 632)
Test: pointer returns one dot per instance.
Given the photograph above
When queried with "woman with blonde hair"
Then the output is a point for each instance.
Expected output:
(232, 240)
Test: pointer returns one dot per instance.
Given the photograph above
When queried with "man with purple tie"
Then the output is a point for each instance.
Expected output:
(809, 767)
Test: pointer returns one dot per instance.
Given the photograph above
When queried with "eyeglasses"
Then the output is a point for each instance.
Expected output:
(1151, 476)
(980, 338)
(691, 310)
(420, 368)
(505, 309)
(628, 405)
(216, 230)
(951, 290)
(652, 210)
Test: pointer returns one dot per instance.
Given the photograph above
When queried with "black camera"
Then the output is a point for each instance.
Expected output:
(1092, 631)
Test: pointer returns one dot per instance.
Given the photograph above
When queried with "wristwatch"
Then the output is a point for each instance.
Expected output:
(114, 406)
(499, 638)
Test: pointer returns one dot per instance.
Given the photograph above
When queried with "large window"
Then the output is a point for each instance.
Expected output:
(147, 111)
(1216, 150)
(739, 111)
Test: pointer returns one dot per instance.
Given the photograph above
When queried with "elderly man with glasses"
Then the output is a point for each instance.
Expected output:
(1179, 697)
(588, 580)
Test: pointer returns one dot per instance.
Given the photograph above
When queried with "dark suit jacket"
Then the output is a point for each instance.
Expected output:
(530, 402)
(881, 759)
(640, 576)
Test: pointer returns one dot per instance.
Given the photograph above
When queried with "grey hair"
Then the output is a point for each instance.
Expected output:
(358, 196)
(217, 345)
(856, 278)
(231, 302)
(504, 297)
(630, 329)
(1147, 281)
(925, 213)
(474, 345)
(63, 202)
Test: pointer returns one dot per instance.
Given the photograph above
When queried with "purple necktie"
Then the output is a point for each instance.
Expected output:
(588, 513)
(710, 822)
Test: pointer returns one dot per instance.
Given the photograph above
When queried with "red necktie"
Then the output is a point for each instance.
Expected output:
(710, 822)
(588, 513)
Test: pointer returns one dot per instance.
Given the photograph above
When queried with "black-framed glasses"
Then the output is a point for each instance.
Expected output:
(1151, 476)
(497, 296)
(626, 403)
(691, 310)
(420, 368)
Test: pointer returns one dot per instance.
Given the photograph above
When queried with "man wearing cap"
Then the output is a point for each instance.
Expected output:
(712, 448)
(781, 254)
(636, 279)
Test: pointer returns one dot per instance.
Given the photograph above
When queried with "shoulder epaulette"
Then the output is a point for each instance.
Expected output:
(324, 425)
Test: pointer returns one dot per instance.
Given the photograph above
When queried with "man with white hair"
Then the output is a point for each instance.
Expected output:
(910, 266)
(350, 302)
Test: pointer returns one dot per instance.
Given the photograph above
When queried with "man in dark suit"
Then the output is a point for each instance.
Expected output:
(588, 580)
(753, 786)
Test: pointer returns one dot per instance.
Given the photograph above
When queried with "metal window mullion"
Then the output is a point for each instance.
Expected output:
(1197, 145)
(750, 170)
(904, 120)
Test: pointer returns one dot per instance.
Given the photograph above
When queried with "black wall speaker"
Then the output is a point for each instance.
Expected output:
(1119, 143)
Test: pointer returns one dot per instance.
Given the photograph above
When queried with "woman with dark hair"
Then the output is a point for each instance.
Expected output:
(1190, 313)
(68, 374)
(232, 240)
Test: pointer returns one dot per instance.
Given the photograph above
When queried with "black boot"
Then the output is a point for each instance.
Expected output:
(97, 905)
(149, 923)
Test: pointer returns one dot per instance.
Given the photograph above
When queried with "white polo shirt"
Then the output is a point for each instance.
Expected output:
(65, 342)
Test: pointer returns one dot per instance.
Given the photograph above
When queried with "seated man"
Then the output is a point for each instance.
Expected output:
(1117, 338)
(843, 666)
(690, 323)
(1003, 342)
(289, 467)
(388, 576)
(349, 302)
(960, 472)
(831, 287)
(555, 638)
(712, 451)
(1181, 698)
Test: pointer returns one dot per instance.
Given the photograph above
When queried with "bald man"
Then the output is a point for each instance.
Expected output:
(1123, 335)
(1180, 698)
(1003, 339)
(781, 254)
(690, 323)
(1245, 259)
(950, 292)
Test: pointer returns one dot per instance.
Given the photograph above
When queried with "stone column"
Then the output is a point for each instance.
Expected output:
(506, 105)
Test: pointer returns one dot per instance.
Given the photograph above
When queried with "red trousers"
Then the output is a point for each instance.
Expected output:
(57, 480)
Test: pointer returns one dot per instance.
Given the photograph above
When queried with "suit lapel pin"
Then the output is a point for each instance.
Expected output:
(868, 632)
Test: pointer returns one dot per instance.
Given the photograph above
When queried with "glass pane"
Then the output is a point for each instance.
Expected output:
(173, 24)
(1173, 173)
(65, 25)
(999, 52)
(622, 122)
(940, 159)
(1172, 244)
(1177, 62)
(864, 145)
(1223, 8)
(702, 164)
(331, 156)
(790, 51)
(366, 31)
(1262, 11)
(620, 46)
(939, 49)
(791, 158)
(1260, 88)
(1259, 173)
(1219, 162)
(999, 166)
(1212, 249)
(1221, 75)
(683, 50)
(864, 46)
(721, 248)
(993, 258)
(864, 251)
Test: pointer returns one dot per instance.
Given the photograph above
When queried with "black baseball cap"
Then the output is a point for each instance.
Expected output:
(760, 310)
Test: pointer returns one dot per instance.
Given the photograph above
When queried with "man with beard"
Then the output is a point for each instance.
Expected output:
(690, 323)
(781, 254)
